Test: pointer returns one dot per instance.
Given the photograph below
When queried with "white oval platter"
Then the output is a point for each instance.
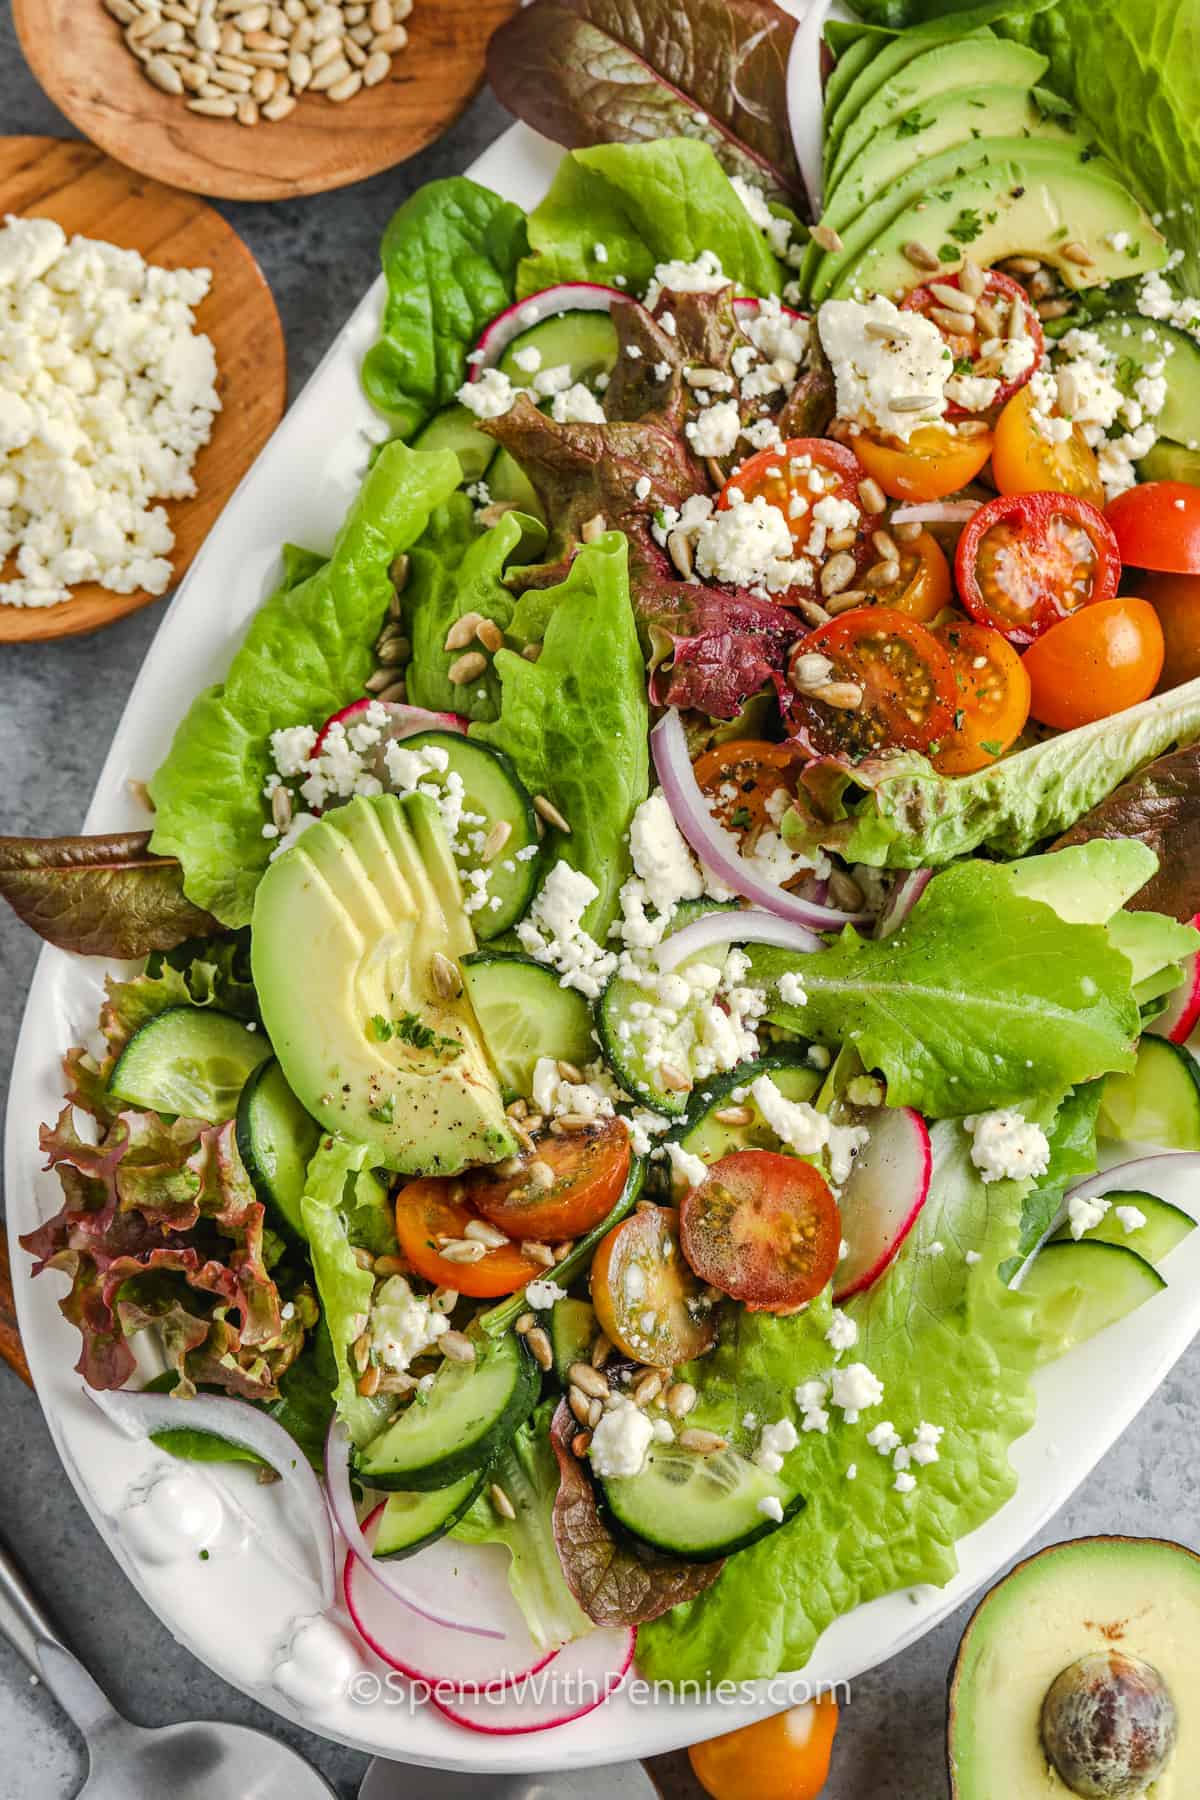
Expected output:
(238, 1609)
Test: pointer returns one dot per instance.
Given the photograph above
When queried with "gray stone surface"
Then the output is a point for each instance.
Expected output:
(59, 704)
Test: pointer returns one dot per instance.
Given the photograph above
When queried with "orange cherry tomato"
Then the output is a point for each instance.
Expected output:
(1176, 600)
(785, 1757)
(589, 1168)
(739, 778)
(993, 696)
(904, 675)
(1097, 662)
(1024, 561)
(924, 587)
(427, 1219)
(1026, 462)
(1001, 293)
(764, 1228)
(647, 1300)
(935, 461)
(1158, 526)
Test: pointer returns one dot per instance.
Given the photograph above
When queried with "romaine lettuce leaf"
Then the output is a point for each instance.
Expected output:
(953, 1347)
(575, 722)
(1072, 1140)
(450, 256)
(896, 812)
(344, 1287)
(981, 998)
(647, 204)
(307, 652)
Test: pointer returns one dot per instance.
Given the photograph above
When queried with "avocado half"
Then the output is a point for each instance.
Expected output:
(1112, 1626)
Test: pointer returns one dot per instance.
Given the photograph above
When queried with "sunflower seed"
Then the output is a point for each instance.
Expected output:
(676, 1079)
(837, 573)
(845, 891)
(279, 108)
(1054, 309)
(810, 669)
(443, 1300)
(462, 1250)
(531, 652)
(826, 238)
(390, 1265)
(1041, 285)
(547, 810)
(842, 540)
(920, 255)
(444, 976)
(381, 15)
(214, 109)
(987, 320)
(843, 696)
(589, 1379)
(377, 68)
(541, 1176)
(734, 1115)
(393, 649)
(329, 73)
(396, 693)
(501, 1501)
(681, 1398)
(601, 1351)
(887, 333)
(479, 1231)
(525, 1324)
(281, 808)
(299, 70)
(580, 1405)
(123, 11)
(263, 86)
(1023, 265)
(648, 1388)
(344, 89)
(391, 41)
(539, 1253)
(954, 298)
(490, 635)
(394, 1382)
(467, 668)
(368, 1382)
(495, 840)
(704, 1443)
(846, 600)
(882, 575)
(873, 498)
(1017, 325)
(972, 428)
(1078, 253)
(953, 322)
(810, 611)
(463, 630)
(362, 1351)
(972, 279)
(457, 1346)
(908, 532)
(913, 403)
(679, 549)
(164, 75)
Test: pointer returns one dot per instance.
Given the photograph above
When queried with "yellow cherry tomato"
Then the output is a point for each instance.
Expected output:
(1024, 461)
(924, 585)
(785, 1757)
(936, 460)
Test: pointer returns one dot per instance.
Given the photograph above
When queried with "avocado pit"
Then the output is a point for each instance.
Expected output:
(1108, 1725)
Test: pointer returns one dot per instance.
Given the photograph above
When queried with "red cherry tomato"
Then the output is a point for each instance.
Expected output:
(763, 1228)
(1157, 526)
(1096, 663)
(428, 1218)
(905, 682)
(589, 1170)
(1025, 561)
(985, 324)
(754, 770)
(794, 479)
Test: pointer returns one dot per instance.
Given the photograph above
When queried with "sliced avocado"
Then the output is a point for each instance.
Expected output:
(1086, 889)
(1171, 462)
(966, 62)
(1028, 205)
(1151, 941)
(883, 68)
(852, 61)
(1137, 342)
(346, 926)
(1133, 1603)
(936, 175)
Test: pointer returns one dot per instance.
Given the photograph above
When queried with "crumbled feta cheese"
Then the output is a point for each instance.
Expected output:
(542, 1295)
(620, 1441)
(924, 1447)
(555, 1096)
(974, 393)
(704, 276)
(1130, 1218)
(972, 1257)
(774, 1443)
(715, 432)
(884, 1438)
(642, 487)
(403, 1325)
(855, 1389)
(687, 1170)
(842, 1333)
(600, 252)
(528, 360)
(490, 397)
(1006, 1146)
(852, 1472)
(777, 335)
(661, 857)
(1085, 1214)
(292, 747)
(107, 393)
(749, 544)
(553, 932)
(771, 1507)
(904, 1482)
(791, 989)
(806, 1131)
(904, 355)
(577, 405)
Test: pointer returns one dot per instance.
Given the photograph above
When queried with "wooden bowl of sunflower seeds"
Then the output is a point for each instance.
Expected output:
(259, 99)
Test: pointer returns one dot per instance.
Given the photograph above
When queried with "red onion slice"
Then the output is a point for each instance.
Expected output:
(523, 315)
(715, 847)
(390, 1576)
(748, 927)
(903, 898)
(139, 1415)
(1138, 1172)
(806, 103)
(937, 512)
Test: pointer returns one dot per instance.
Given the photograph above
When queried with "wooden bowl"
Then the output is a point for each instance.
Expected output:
(47, 178)
(76, 50)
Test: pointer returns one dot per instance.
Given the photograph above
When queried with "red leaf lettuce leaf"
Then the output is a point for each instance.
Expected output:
(100, 896)
(1161, 806)
(613, 1583)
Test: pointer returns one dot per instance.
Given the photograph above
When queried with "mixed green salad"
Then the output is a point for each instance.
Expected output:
(641, 957)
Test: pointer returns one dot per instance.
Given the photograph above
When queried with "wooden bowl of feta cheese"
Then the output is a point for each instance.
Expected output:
(142, 369)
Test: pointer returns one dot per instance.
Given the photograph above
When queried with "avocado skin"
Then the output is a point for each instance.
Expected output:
(1015, 1764)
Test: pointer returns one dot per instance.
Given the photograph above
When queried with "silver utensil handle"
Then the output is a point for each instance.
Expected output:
(30, 1632)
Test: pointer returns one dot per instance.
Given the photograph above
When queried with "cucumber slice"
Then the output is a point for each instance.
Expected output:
(573, 1331)
(410, 1521)
(455, 428)
(493, 793)
(1159, 1103)
(189, 1062)
(614, 1015)
(276, 1139)
(586, 342)
(707, 1137)
(523, 1013)
(1165, 1228)
(469, 1412)
(1080, 1288)
(698, 1507)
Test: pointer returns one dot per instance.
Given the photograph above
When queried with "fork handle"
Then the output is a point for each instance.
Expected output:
(29, 1631)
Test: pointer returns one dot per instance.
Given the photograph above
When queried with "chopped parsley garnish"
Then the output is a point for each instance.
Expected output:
(992, 745)
(381, 1028)
(967, 227)
(911, 125)
(413, 1030)
(964, 366)
(948, 253)
(385, 1114)
(960, 719)
(740, 818)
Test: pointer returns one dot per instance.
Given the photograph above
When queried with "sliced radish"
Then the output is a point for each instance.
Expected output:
(1183, 1006)
(886, 1190)
(579, 1679)
(425, 1651)
(523, 315)
(403, 721)
(746, 308)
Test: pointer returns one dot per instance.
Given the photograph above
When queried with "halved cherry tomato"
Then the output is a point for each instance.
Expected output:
(428, 1218)
(969, 336)
(1024, 461)
(924, 586)
(904, 675)
(647, 1300)
(934, 462)
(993, 696)
(794, 479)
(1096, 663)
(589, 1169)
(739, 778)
(764, 1228)
(1027, 560)
(1157, 526)
(1176, 600)
(785, 1757)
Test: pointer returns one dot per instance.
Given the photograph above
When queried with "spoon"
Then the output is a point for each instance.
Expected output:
(128, 1762)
